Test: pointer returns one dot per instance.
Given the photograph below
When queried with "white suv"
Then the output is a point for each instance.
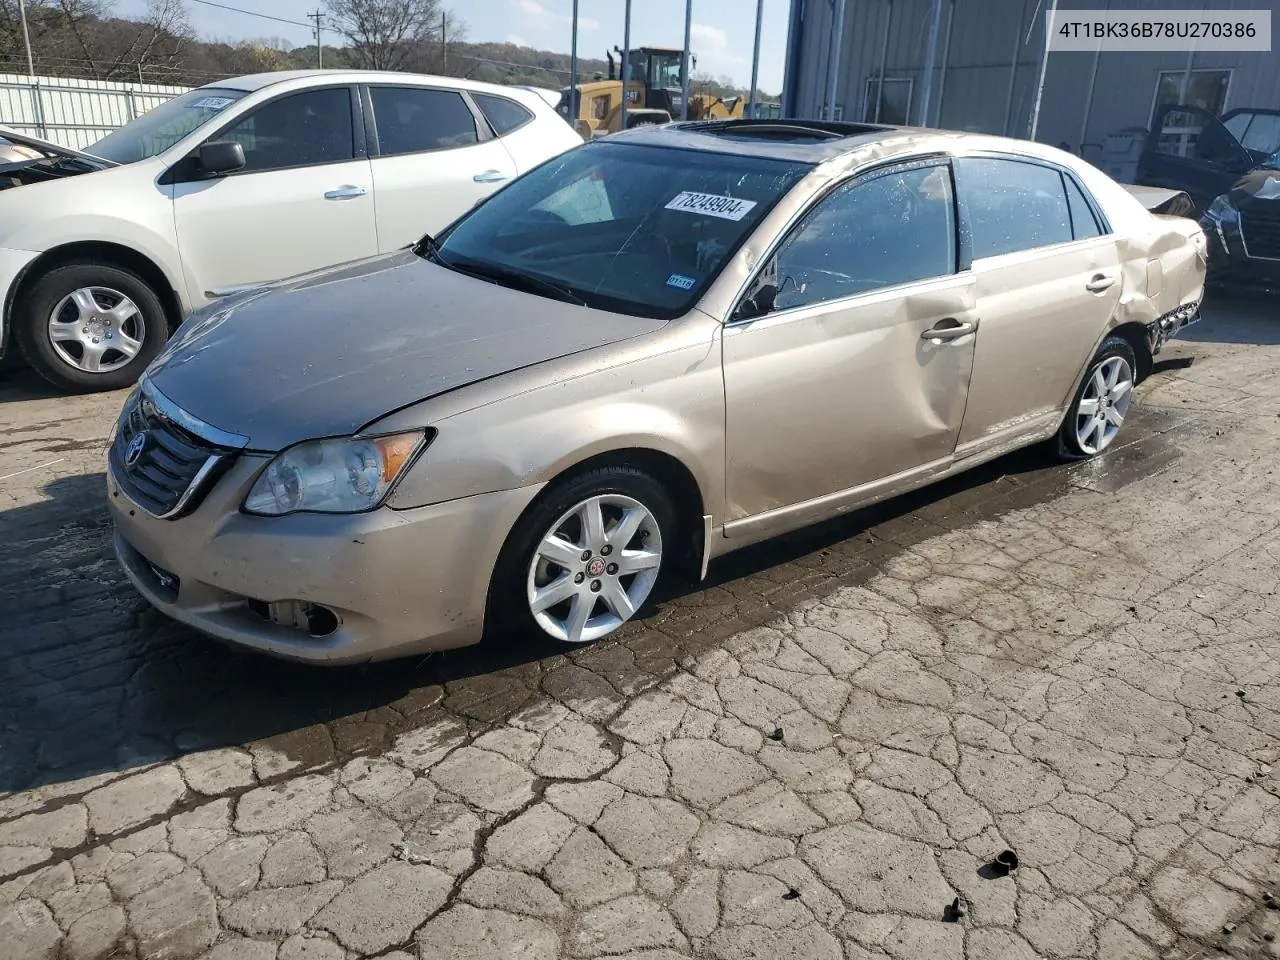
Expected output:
(240, 182)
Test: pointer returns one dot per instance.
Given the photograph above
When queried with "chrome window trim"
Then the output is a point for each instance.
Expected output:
(882, 166)
(962, 278)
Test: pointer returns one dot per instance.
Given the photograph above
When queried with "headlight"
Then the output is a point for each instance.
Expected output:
(348, 475)
(1220, 209)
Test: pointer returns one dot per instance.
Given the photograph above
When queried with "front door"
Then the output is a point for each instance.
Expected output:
(850, 361)
(1048, 280)
(433, 163)
(302, 201)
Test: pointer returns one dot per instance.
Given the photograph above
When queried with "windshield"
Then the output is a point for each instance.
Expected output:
(1258, 133)
(664, 71)
(631, 229)
(159, 129)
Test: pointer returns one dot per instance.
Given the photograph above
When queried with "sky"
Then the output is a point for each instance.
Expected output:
(723, 30)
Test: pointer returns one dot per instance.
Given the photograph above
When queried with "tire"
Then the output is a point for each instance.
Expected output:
(1090, 427)
(586, 575)
(124, 313)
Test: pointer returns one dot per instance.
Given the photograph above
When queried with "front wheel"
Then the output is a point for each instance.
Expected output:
(586, 557)
(1101, 404)
(86, 327)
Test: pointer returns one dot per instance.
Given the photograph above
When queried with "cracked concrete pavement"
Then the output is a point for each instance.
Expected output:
(811, 757)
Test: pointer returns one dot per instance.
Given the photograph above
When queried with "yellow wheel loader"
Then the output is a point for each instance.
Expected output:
(653, 94)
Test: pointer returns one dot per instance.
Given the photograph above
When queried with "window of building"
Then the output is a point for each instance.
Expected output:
(1207, 90)
(894, 95)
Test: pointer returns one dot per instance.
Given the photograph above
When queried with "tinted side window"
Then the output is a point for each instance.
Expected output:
(298, 130)
(414, 120)
(895, 228)
(1083, 223)
(503, 115)
(1012, 205)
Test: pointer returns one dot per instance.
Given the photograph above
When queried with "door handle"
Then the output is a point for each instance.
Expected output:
(345, 192)
(490, 176)
(1099, 283)
(949, 329)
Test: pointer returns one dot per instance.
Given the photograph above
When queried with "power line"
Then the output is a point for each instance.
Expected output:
(252, 13)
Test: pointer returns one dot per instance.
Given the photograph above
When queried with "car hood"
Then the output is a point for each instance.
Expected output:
(49, 147)
(324, 354)
(26, 160)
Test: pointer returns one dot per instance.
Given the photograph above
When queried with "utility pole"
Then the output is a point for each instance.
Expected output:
(753, 108)
(31, 68)
(575, 108)
(318, 16)
(684, 64)
(1034, 124)
(626, 62)
(444, 42)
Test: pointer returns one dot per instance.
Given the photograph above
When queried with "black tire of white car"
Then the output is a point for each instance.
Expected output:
(103, 325)
(1070, 445)
(510, 607)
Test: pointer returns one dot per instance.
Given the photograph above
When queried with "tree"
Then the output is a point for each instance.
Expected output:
(82, 38)
(387, 34)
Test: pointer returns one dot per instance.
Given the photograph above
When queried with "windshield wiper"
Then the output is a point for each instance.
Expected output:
(428, 249)
(515, 279)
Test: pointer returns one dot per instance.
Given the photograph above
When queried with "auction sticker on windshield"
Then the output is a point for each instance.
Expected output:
(726, 208)
(211, 103)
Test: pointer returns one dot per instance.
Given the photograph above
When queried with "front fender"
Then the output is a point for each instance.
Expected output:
(672, 404)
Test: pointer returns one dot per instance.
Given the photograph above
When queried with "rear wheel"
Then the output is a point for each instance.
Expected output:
(1102, 402)
(586, 557)
(87, 327)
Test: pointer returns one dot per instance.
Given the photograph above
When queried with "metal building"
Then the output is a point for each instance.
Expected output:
(986, 57)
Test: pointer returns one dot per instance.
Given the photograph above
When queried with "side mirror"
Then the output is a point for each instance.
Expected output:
(219, 157)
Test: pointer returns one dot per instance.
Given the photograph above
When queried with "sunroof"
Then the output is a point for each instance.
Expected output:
(786, 131)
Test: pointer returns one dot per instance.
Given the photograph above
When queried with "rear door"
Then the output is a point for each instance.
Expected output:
(1048, 279)
(302, 201)
(1190, 149)
(434, 157)
(529, 138)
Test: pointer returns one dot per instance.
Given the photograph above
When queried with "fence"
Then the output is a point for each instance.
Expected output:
(71, 112)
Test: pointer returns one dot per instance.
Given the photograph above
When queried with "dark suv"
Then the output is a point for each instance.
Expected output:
(1230, 167)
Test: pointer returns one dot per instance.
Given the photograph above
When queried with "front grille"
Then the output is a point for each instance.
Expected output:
(170, 468)
(1260, 227)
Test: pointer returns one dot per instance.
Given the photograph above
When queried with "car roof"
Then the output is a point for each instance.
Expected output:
(838, 145)
(804, 141)
(257, 81)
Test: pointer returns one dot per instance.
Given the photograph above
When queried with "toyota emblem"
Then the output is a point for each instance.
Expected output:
(133, 452)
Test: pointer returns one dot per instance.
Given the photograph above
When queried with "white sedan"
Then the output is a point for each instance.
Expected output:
(103, 253)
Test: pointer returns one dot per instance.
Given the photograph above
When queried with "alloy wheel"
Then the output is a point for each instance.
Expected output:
(96, 329)
(594, 568)
(1104, 405)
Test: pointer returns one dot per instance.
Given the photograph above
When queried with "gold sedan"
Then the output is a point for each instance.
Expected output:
(648, 352)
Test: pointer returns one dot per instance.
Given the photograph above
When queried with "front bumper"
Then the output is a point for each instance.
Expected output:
(13, 263)
(393, 582)
(1229, 259)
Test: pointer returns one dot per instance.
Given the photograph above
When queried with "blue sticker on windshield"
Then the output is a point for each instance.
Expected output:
(681, 282)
